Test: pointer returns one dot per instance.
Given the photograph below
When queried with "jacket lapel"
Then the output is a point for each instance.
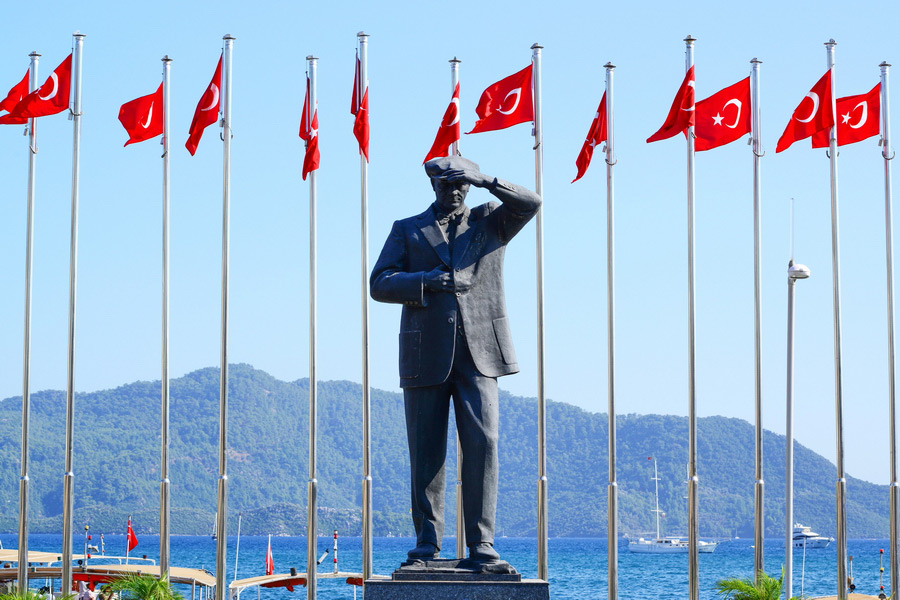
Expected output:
(433, 234)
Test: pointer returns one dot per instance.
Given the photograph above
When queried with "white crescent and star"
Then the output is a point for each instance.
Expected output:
(455, 120)
(215, 100)
(737, 117)
(862, 118)
(52, 94)
(815, 98)
(691, 84)
(518, 94)
(149, 117)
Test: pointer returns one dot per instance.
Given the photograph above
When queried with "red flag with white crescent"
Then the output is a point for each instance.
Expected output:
(131, 537)
(15, 95)
(50, 98)
(506, 103)
(723, 117)
(361, 125)
(596, 136)
(858, 118)
(681, 114)
(311, 160)
(207, 111)
(142, 118)
(814, 113)
(448, 132)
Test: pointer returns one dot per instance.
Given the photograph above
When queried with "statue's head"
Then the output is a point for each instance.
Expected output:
(449, 195)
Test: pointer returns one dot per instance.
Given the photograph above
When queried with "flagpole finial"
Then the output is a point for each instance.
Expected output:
(609, 66)
(690, 39)
(755, 61)
(455, 60)
(78, 34)
(884, 63)
(362, 34)
(831, 42)
(311, 57)
(536, 46)
(34, 54)
(228, 36)
(166, 59)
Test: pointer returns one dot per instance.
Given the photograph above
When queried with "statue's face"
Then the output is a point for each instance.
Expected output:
(450, 196)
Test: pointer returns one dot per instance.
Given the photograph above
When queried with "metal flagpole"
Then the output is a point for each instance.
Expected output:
(69, 476)
(889, 250)
(693, 481)
(363, 43)
(795, 272)
(841, 484)
(460, 516)
(221, 530)
(759, 486)
(26, 376)
(164, 456)
(612, 531)
(542, 526)
(313, 485)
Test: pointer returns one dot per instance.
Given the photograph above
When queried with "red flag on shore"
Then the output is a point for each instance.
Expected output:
(131, 538)
(309, 131)
(810, 117)
(858, 118)
(142, 118)
(723, 117)
(207, 111)
(448, 132)
(15, 95)
(596, 136)
(681, 114)
(506, 103)
(50, 98)
(270, 562)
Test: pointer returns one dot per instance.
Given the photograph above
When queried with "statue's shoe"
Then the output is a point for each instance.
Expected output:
(483, 552)
(424, 551)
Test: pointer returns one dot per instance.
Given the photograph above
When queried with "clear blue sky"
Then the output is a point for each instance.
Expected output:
(118, 336)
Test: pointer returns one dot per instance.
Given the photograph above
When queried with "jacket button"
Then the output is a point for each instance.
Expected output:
(450, 320)
(458, 294)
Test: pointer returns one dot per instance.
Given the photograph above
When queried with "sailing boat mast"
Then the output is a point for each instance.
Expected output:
(657, 511)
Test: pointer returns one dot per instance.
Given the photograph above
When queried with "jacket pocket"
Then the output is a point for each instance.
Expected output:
(410, 349)
(504, 340)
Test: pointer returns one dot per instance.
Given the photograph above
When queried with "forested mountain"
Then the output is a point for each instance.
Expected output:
(117, 454)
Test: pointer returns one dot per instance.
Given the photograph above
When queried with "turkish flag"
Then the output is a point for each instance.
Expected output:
(131, 538)
(361, 125)
(859, 118)
(311, 160)
(207, 111)
(814, 113)
(723, 117)
(448, 132)
(15, 95)
(681, 115)
(596, 135)
(505, 103)
(270, 562)
(50, 98)
(142, 118)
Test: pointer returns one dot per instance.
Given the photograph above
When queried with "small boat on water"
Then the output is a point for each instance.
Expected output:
(665, 545)
(805, 538)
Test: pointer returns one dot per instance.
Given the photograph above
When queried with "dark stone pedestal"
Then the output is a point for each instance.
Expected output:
(456, 579)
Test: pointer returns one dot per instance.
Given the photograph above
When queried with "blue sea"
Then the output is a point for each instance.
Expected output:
(578, 566)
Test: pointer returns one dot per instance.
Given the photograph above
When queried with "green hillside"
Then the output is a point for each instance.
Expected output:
(117, 450)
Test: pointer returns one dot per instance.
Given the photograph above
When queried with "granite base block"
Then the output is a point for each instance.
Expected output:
(459, 588)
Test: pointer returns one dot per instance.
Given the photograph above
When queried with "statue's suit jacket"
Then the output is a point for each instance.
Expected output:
(428, 324)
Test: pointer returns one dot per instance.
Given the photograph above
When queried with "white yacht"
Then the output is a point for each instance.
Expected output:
(665, 545)
(804, 538)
